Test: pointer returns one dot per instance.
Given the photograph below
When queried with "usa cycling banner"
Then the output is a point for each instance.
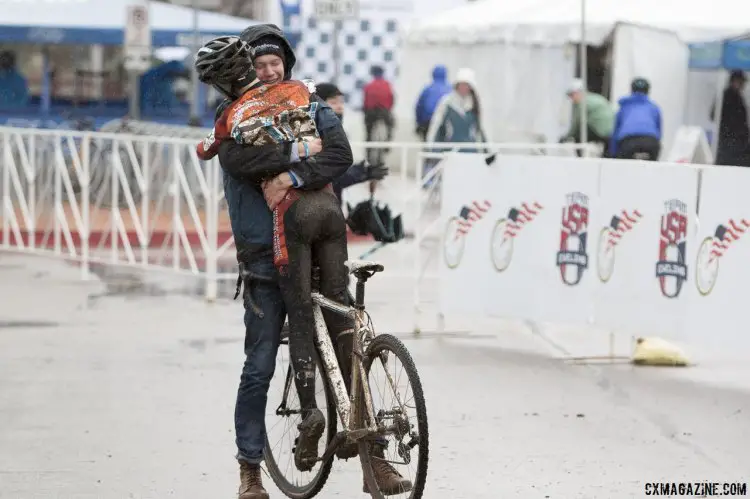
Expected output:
(630, 247)
(515, 241)
(539, 249)
(720, 275)
(645, 247)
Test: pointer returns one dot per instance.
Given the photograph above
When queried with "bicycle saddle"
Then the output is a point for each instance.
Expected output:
(363, 265)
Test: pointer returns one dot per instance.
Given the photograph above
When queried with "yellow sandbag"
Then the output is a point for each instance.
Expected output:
(658, 352)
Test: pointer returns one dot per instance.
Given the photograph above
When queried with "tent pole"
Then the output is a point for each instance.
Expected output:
(583, 65)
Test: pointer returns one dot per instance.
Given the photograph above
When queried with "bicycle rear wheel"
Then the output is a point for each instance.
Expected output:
(402, 409)
(283, 414)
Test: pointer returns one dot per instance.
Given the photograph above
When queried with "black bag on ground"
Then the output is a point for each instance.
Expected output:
(367, 218)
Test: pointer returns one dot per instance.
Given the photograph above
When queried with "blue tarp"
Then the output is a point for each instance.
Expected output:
(89, 22)
(729, 54)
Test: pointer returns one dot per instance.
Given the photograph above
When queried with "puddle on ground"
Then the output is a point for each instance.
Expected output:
(137, 283)
(27, 324)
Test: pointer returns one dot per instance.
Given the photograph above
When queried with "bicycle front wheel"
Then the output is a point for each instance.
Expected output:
(283, 414)
(388, 364)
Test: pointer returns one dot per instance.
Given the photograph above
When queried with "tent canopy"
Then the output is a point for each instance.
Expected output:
(90, 22)
(558, 21)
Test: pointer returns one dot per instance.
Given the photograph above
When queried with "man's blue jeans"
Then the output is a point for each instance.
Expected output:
(262, 337)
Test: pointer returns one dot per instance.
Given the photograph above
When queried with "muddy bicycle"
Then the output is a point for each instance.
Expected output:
(363, 419)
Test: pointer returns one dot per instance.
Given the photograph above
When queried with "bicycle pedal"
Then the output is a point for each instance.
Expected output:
(347, 450)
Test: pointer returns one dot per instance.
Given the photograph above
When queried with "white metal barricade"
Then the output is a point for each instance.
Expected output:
(134, 200)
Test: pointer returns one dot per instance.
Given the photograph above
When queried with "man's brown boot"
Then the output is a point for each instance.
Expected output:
(251, 485)
(390, 482)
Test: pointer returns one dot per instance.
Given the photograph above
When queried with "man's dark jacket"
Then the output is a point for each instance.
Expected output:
(245, 167)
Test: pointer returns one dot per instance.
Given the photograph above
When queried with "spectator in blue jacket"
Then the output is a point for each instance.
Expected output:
(637, 133)
(429, 98)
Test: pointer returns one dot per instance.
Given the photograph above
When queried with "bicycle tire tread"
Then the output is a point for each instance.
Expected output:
(397, 347)
(273, 470)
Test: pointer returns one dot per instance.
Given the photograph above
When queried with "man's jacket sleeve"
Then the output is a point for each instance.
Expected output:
(254, 163)
(356, 174)
(335, 158)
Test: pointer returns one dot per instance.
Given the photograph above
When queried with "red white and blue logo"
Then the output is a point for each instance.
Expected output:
(572, 257)
(671, 269)
(457, 229)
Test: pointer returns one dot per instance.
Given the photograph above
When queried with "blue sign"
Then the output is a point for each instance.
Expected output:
(737, 55)
(94, 36)
(706, 55)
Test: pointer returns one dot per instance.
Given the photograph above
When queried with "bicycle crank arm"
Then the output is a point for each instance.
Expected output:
(336, 442)
(341, 437)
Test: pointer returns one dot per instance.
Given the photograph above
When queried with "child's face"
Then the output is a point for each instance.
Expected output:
(269, 68)
(337, 104)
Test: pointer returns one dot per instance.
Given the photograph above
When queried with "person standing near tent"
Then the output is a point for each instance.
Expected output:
(457, 118)
(429, 98)
(600, 116)
(637, 133)
(458, 115)
(733, 127)
(378, 103)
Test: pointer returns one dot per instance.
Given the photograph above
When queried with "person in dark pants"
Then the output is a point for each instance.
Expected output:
(733, 128)
(378, 106)
(637, 133)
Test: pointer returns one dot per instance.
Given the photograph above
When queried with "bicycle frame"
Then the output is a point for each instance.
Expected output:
(345, 403)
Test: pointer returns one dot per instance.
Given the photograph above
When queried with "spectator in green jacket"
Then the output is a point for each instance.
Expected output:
(600, 117)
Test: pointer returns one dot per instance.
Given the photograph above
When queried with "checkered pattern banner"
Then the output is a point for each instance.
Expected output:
(363, 43)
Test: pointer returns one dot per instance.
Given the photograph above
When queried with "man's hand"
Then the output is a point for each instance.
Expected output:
(313, 147)
(275, 189)
(377, 172)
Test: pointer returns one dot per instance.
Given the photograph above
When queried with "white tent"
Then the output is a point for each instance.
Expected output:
(560, 20)
(524, 57)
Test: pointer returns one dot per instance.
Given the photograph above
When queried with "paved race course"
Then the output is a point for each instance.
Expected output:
(112, 389)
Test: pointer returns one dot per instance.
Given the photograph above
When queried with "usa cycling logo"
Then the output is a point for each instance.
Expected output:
(457, 228)
(712, 249)
(507, 229)
(671, 270)
(572, 258)
(609, 237)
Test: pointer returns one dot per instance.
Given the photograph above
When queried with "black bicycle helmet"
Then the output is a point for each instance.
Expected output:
(640, 85)
(225, 60)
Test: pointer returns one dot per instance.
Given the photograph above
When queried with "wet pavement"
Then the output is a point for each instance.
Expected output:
(123, 387)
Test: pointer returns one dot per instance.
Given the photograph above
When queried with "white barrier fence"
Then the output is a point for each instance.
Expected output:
(134, 200)
(635, 248)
